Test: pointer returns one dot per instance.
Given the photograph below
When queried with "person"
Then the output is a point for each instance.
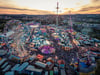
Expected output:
(55, 58)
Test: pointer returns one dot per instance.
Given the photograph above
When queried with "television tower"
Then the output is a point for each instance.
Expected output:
(57, 13)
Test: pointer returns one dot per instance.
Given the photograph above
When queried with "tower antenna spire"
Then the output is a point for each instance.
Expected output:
(57, 12)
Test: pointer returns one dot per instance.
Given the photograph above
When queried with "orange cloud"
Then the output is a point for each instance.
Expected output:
(90, 8)
(95, 0)
(7, 10)
(11, 7)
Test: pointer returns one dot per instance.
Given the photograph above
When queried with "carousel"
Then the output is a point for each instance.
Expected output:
(47, 49)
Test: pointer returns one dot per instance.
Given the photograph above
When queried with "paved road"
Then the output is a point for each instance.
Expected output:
(20, 48)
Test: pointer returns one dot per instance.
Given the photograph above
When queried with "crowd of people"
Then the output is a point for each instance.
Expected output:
(54, 46)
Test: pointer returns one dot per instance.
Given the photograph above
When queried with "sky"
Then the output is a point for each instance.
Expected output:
(44, 7)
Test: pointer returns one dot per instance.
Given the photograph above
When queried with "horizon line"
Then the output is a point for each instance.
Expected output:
(48, 14)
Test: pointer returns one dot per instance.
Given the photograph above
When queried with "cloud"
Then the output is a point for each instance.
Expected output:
(7, 3)
(89, 8)
(24, 11)
(16, 8)
(11, 6)
(95, 0)
(69, 9)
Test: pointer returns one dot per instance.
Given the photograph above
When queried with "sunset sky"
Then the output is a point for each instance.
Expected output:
(42, 7)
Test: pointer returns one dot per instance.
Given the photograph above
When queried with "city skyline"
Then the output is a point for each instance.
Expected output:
(44, 7)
